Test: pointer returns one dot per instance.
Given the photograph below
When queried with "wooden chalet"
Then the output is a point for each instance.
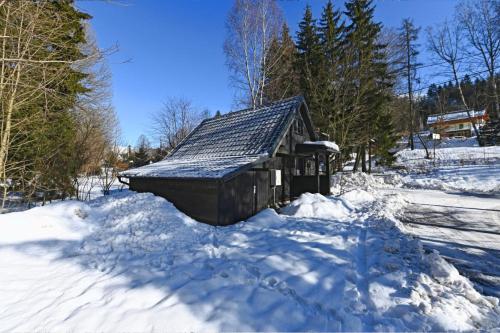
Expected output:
(232, 166)
(457, 123)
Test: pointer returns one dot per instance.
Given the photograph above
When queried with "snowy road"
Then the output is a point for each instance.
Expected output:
(463, 227)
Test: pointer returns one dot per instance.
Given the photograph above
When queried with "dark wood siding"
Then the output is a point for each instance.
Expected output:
(195, 197)
(309, 184)
(244, 196)
(237, 199)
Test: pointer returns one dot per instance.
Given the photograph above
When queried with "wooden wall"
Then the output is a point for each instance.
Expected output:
(304, 184)
(237, 199)
(195, 197)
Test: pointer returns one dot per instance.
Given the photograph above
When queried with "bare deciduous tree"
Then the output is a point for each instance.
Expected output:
(175, 121)
(97, 128)
(252, 25)
(445, 41)
(479, 21)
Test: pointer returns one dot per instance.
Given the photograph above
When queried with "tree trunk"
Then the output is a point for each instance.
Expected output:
(427, 156)
(363, 158)
(457, 82)
(370, 156)
(356, 161)
(410, 90)
(495, 93)
(5, 140)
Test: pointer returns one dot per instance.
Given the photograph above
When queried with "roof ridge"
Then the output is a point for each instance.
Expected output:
(212, 157)
(451, 112)
(264, 106)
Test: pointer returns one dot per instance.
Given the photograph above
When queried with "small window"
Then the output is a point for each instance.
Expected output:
(299, 127)
(461, 126)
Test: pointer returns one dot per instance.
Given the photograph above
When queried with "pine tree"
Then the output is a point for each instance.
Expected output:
(331, 32)
(385, 139)
(308, 43)
(371, 81)
(282, 78)
(142, 152)
(309, 65)
(41, 152)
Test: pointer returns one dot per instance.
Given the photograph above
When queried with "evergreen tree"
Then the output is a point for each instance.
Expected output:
(331, 32)
(282, 78)
(41, 151)
(142, 154)
(371, 82)
(446, 98)
(309, 65)
(385, 139)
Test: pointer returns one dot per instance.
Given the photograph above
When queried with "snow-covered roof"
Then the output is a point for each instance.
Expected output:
(328, 144)
(221, 145)
(432, 119)
(195, 167)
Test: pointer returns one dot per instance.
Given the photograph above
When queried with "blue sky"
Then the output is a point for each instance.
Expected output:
(174, 48)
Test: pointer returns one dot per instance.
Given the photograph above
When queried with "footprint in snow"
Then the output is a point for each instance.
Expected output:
(254, 271)
(271, 282)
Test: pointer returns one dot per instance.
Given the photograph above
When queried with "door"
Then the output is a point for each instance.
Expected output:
(261, 190)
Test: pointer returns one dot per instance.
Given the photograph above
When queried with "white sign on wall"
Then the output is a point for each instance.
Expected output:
(275, 177)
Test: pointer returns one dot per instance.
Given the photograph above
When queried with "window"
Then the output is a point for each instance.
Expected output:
(461, 126)
(298, 126)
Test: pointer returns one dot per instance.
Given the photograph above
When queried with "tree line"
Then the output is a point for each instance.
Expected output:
(361, 80)
(58, 128)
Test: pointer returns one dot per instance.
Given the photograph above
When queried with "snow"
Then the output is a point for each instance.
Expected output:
(454, 207)
(222, 145)
(464, 227)
(329, 144)
(449, 156)
(89, 188)
(445, 142)
(466, 169)
(133, 262)
(471, 179)
(203, 167)
(317, 206)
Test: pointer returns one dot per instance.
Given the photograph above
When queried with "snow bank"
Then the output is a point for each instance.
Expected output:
(62, 220)
(449, 156)
(358, 198)
(317, 206)
(343, 182)
(132, 262)
(472, 179)
(447, 143)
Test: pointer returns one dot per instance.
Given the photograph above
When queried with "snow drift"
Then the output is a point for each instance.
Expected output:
(133, 262)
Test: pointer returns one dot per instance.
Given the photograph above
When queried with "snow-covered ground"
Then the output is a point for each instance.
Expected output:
(464, 228)
(89, 188)
(92, 187)
(132, 262)
(471, 179)
(455, 156)
(455, 208)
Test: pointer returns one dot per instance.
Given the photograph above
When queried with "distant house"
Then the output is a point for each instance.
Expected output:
(456, 123)
(234, 165)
